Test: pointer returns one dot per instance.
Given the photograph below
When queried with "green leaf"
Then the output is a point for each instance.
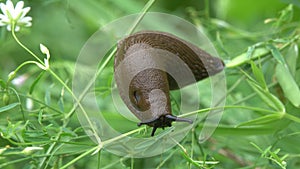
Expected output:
(244, 57)
(291, 57)
(48, 97)
(40, 116)
(185, 156)
(60, 102)
(288, 84)
(262, 120)
(276, 53)
(267, 97)
(35, 82)
(8, 107)
(259, 76)
(250, 51)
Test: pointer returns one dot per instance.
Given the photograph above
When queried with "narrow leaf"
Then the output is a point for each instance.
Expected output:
(262, 120)
(276, 53)
(259, 76)
(250, 51)
(291, 57)
(191, 160)
(267, 97)
(8, 107)
(244, 57)
(288, 84)
(48, 97)
(35, 82)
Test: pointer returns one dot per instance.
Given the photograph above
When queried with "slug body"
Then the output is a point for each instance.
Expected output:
(142, 65)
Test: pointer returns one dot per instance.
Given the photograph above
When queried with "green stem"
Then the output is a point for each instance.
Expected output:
(99, 147)
(139, 19)
(80, 157)
(23, 46)
(291, 117)
(227, 107)
(21, 65)
(19, 100)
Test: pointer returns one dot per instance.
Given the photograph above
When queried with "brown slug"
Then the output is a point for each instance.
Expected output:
(142, 77)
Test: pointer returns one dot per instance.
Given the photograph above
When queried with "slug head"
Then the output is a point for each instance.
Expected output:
(149, 95)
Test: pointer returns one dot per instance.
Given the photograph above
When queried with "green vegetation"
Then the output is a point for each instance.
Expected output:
(258, 41)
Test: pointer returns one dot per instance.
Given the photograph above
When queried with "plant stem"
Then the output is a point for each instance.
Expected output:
(23, 46)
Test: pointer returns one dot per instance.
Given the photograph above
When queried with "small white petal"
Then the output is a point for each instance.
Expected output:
(28, 24)
(19, 7)
(10, 7)
(2, 16)
(1, 4)
(3, 8)
(20, 80)
(17, 28)
(29, 104)
(25, 11)
(45, 50)
(46, 61)
(4, 19)
(8, 27)
(25, 19)
(9, 3)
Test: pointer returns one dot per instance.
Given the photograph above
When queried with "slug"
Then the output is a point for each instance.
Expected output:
(142, 78)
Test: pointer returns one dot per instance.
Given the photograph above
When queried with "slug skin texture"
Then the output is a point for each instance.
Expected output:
(147, 65)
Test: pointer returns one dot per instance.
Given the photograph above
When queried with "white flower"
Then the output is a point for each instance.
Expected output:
(19, 80)
(14, 15)
(45, 51)
(29, 104)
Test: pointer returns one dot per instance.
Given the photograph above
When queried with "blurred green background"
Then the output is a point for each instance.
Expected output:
(64, 26)
(232, 25)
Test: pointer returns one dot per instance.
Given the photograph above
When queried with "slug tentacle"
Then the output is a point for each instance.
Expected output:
(178, 119)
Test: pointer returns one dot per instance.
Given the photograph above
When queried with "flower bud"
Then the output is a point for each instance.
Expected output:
(11, 76)
(31, 150)
(6, 99)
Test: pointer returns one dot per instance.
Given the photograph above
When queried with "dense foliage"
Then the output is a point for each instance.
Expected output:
(258, 41)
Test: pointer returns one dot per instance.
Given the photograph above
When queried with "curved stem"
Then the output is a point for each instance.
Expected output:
(23, 46)
(19, 100)
(22, 65)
